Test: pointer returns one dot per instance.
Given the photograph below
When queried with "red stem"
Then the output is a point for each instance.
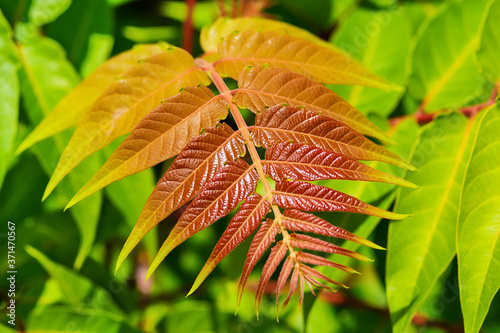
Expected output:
(187, 29)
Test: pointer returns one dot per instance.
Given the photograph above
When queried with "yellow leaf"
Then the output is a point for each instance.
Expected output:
(120, 108)
(275, 49)
(212, 35)
(70, 110)
(160, 135)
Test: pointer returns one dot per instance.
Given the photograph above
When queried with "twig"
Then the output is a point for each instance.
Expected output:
(187, 29)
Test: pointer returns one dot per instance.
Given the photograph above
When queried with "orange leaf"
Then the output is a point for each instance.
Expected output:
(196, 164)
(241, 226)
(129, 98)
(70, 110)
(233, 183)
(261, 87)
(318, 63)
(161, 134)
(282, 124)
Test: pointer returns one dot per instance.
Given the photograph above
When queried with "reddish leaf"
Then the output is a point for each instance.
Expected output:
(310, 197)
(314, 273)
(315, 244)
(262, 240)
(293, 285)
(197, 163)
(243, 224)
(284, 274)
(302, 162)
(260, 87)
(233, 183)
(161, 134)
(277, 254)
(283, 124)
(295, 220)
(309, 258)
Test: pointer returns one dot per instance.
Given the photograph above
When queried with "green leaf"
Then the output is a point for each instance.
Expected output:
(46, 77)
(9, 96)
(490, 44)
(478, 239)
(380, 40)
(444, 71)
(91, 42)
(421, 247)
(56, 319)
(203, 14)
(44, 11)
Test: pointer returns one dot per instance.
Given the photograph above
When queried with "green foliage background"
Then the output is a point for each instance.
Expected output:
(445, 55)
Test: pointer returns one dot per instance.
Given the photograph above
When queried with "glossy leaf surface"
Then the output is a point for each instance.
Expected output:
(232, 183)
(281, 124)
(196, 164)
(490, 44)
(262, 86)
(314, 198)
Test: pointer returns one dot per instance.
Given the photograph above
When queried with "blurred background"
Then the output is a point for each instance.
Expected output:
(65, 261)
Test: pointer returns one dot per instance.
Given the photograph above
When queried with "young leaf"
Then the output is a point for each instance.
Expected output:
(310, 197)
(444, 71)
(131, 96)
(212, 35)
(316, 244)
(264, 237)
(281, 124)
(302, 162)
(421, 247)
(296, 220)
(283, 277)
(70, 110)
(278, 252)
(262, 87)
(321, 64)
(309, 258)
(478, 234)
(243, 224)
(233, 183)
(161, 134)
(196, 164)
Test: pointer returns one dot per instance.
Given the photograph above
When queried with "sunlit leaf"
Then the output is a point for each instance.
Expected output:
(160, 135)
(129, 98)
(196, 164)
(478, 234)
(262, 86)
(315, 198)
(304, 162)
(444, 71)
(282, 124)
(421, 247)
(243, 224)
(318, 63)
(70, 110)
(212, 35)
(233, 183)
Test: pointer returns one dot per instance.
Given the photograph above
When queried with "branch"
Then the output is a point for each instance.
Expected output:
(187, 29)
(469, 111)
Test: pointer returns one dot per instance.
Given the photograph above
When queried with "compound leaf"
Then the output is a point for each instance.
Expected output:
(261, 87)
(129, 98)
(318, 63)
